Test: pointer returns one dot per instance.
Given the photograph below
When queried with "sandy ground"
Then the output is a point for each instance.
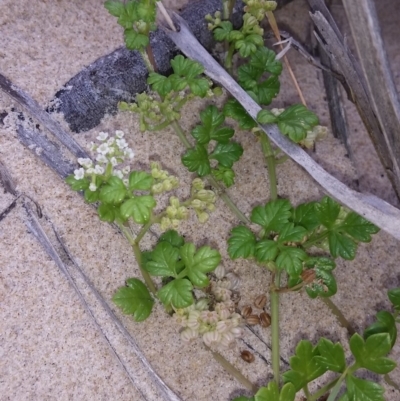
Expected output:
(50, 347)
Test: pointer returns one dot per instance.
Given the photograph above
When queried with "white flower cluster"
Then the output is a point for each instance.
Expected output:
(219, 326)
(110, 153)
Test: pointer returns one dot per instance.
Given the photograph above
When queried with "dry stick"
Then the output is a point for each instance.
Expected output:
(372, 208)
(33, 107)
(272, 21)
(37, 230)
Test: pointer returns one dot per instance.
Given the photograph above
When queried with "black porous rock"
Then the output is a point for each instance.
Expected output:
(120, 75)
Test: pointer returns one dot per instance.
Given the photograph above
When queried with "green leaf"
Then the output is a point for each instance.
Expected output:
(163, 260)
(129, 15)
(295, 121)
(227, 153)
(115, 8)
(91, 196)
(147, 11)
(394, 297)
(291, 233)
(370, 354)
(325, 284)
(197, 264)
(327, 211)
(177, 293)
(248, 76)
(173, 238)
(288, 392)
(363, 390)
(273, 216)
(248, 45)
(291, 259)
(135, 40)
(269, 393)
(305, 215)
(241, 243)
(385, 324)
(331, 356)
(222, 31)
(199, 86)
(212, 119)
(304, 366)
(134, 299)
(140, 181)
(139, 208)
(196, 159)
(235, 110)
(77, 185)
(186, 68)
(159, 83)
(114, 191)
(341, 245)
(224, 174)
(267, 90)
(358, 228)
(264, 59)
(266, 117)
(107, 212)
(243, 398)
(266, 250)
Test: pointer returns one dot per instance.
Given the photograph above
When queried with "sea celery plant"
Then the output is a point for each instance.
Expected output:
(287, 238)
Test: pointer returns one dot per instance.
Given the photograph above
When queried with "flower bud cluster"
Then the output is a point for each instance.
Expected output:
(258, 8)
(163, 181)
(316, 134)
(175, 213)
(214, 21)
(109, 153)
(203, 200)
(218, 324)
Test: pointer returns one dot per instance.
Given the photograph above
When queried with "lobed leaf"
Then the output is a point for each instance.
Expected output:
(358, 228)
(273, 216)
(140, 181)
(163, 260)
(196, 159)
(394, 297)
(385, 324)
(134, 299)
(227, 153)
(114, 191)
(177, 293)
(363, 390)
(235, 110)
(265, 60)
(139, 208)
(224, 174)
(331, 356)
(173, 238)
(241, 243)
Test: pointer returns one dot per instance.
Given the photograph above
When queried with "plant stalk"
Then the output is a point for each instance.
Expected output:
(339, 315)
(138, 254)
(271, 165)
(274, 297)
(233, 371)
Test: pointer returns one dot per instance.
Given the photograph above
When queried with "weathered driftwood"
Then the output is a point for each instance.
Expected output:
(373, 91)
(372, 208)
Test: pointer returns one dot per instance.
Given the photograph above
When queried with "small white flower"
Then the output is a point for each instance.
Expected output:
(101, 159)
(79, 174)
(121, 143)
(98, 170)
(103, 149)
(129, 153)
(126, 170)
(92, 187)
(119, 134)
(118, 173)
(102, 136)
(85, 162)
(113, 161)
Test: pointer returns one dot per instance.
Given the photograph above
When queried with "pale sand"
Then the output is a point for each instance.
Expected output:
(49, 346)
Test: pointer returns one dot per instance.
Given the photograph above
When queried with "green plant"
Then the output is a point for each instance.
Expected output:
(297, 244)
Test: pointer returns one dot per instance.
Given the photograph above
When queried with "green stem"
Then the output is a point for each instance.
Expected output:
(179, 131)
(322, 391)
(233, 371)
(228, 201)
(147, 61)
(339, 315)
(306, 392)
(221, 191)
(229, 56)
(138, 254)
(274, 296)
(270, 159)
